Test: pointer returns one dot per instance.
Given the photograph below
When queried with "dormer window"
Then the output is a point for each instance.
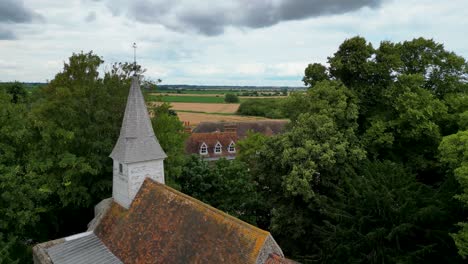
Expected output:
(232, 147)
(203, 149)
(218, 148)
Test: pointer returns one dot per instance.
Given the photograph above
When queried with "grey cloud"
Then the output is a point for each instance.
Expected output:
(211, 17)
(14, 11)
(6, 34)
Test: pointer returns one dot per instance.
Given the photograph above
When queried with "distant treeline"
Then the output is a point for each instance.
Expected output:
(270, 108)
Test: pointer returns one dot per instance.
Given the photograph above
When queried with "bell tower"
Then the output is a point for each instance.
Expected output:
(137, 153)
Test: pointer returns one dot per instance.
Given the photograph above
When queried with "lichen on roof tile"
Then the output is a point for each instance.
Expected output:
(166, 226)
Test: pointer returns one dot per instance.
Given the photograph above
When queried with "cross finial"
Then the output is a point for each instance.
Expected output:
(134, 58)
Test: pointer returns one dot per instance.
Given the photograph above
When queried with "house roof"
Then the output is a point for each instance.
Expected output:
(195, 141)
(166, 226)
(81, 249)
(268, 127)
(137, 141)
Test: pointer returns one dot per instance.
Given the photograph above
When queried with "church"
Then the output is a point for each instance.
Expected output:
(146, 221)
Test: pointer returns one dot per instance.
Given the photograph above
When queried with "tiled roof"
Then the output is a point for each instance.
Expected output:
(81, 249)
(277, 259)
(166, 226)
(195, 140)
(265, 127)
(137, 141)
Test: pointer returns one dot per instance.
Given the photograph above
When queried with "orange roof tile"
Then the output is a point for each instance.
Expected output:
(166, 226)
(194, 142)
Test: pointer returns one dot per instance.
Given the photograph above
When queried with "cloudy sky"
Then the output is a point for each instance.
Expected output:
(229, 42)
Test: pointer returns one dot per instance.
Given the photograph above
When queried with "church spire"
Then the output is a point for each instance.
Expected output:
(137, 141)
(137, 154)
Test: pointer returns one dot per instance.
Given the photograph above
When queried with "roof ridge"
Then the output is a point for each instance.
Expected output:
(209, 207)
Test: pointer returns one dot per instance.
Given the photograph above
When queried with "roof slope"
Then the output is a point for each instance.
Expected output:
(166, 226)
(195, 140)
(81, 249)
(265, 127)
(137, 141)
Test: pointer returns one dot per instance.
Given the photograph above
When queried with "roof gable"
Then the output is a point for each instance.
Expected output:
(167, 226)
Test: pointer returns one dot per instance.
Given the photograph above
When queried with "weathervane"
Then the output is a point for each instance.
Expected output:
(134, 58)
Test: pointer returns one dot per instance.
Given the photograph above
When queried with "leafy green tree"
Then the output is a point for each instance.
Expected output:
(76, 125)
(22, 201)
(301, 171)
(454, 152)
(315, 73)
(231, 98)
(17, 91)
(226, 185)
(387, 216)
(5, 252)
(170, 132)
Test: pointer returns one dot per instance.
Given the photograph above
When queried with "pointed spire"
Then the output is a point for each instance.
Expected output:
(137, 141)
(134, 59)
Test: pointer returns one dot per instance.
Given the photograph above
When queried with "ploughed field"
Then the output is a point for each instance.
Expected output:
(205, 107)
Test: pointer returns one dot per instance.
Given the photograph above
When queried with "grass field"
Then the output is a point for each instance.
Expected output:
(196, 108)
(208, 99)
(188, 99)
(217, 92)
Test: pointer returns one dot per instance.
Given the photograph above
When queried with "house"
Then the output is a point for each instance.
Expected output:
(215, 140)
(266, 127)
(212, 146)
(146, 221)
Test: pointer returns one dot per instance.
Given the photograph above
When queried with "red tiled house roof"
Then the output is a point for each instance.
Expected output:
(165, 226)
(196, 140)
(268, 127)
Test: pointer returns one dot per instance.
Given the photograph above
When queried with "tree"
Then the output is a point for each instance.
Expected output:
(226, 185)
(17, 91)
(170, 133)
(454, 152)
(387, 216)
(301, 171)
(19, 214)
(315, 73)
(231, 98)
(73, 142)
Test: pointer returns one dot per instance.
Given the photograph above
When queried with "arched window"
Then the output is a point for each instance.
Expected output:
(218, 148)
(232, 147)
(203, 149)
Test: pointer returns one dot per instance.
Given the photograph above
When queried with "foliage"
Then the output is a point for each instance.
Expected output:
(315, 73)
(270, 108)
(170, 133)
(231, 98)
(5, 251)
(454, 153)
(357, 177)
(387, 217)
(17, 91)
(225, 185)
(70, 146)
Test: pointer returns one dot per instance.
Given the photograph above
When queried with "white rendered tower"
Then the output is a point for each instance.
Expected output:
(137, 154)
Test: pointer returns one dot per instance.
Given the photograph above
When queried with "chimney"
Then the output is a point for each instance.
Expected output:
(187, 127)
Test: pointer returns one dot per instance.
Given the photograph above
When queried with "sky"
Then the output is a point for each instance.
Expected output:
(212, 42)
